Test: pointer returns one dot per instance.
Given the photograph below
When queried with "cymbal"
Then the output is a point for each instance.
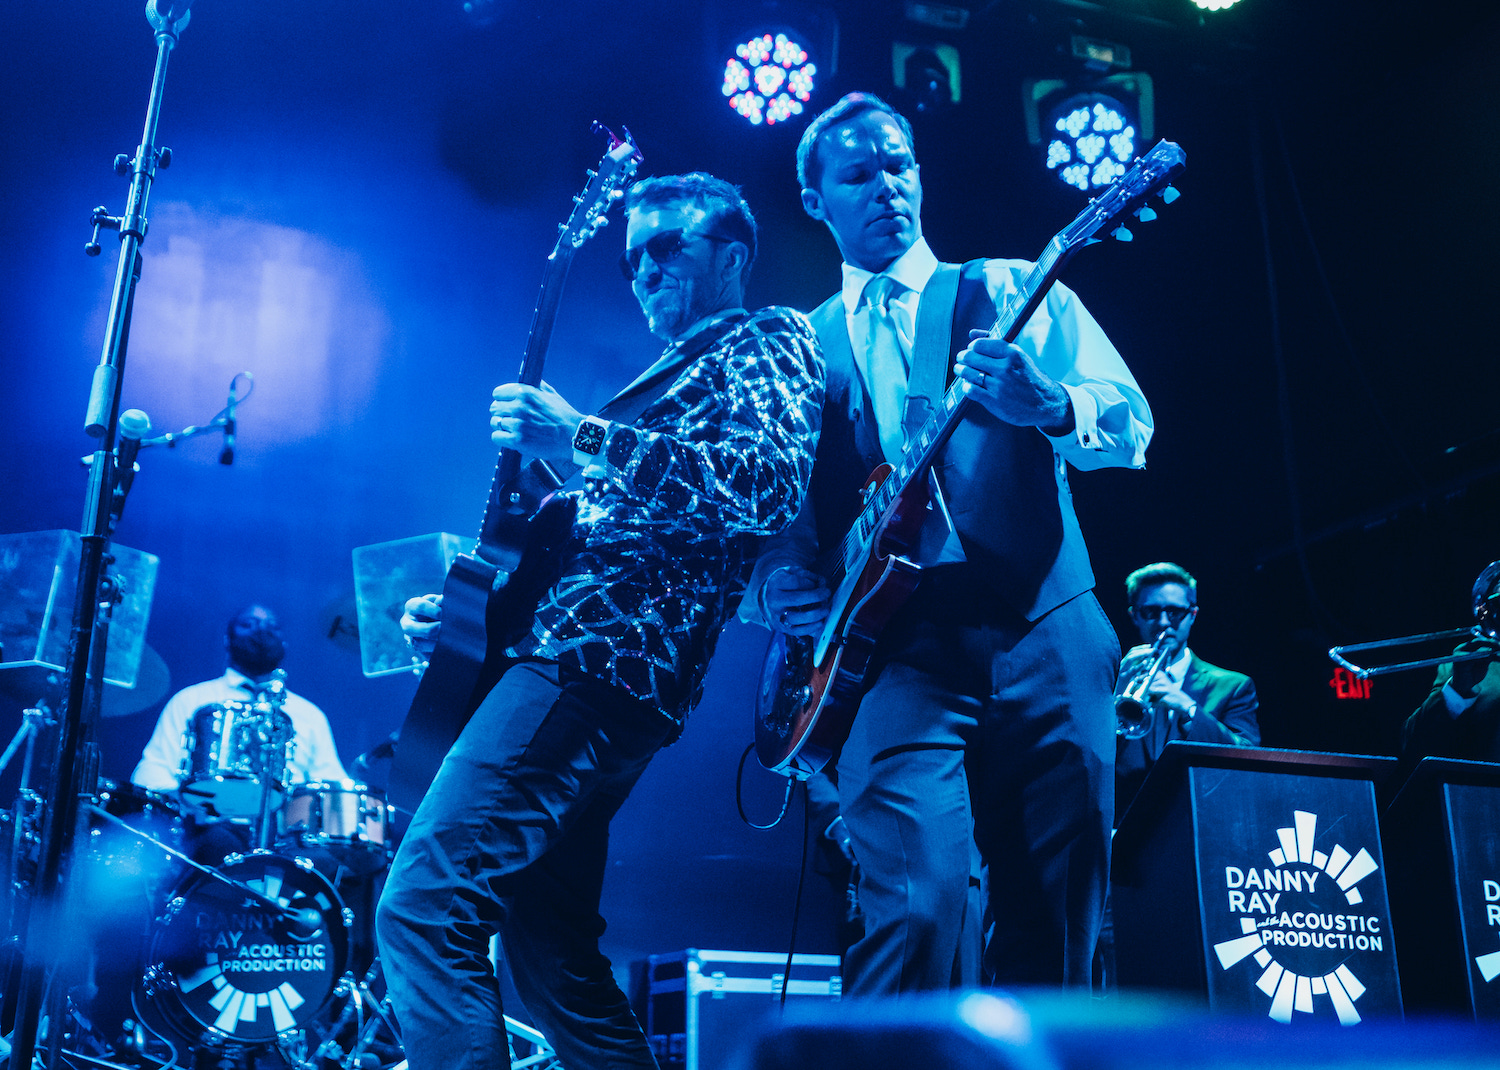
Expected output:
(42, 683)
(152, 681)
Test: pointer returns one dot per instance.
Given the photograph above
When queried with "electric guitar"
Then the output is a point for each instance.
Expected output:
(810, 687)
(522, 532)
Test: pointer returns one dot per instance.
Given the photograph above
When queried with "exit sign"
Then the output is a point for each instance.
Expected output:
(1347, 685)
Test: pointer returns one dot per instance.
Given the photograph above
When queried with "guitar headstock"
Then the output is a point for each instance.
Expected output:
(605, 186)
(1127, 197)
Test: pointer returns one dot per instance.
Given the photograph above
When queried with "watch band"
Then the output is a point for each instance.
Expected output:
(588, 440)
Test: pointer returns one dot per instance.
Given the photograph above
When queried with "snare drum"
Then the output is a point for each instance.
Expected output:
(226, 969)
(235, 752)
(341, 822)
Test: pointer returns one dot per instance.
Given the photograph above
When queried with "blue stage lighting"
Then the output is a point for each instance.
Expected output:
(1091, 140)
(769, 78)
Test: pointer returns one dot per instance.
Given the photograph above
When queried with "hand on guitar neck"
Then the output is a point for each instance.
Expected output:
(421, 618)
(795, 600)
(534, 420)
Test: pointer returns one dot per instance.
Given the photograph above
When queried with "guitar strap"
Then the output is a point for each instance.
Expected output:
(932, 346)
(629, 403)
(626, 406)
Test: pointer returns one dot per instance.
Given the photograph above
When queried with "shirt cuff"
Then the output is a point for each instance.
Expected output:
(1085, 433)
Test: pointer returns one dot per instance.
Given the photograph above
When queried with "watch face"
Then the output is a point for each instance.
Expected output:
(589, 438)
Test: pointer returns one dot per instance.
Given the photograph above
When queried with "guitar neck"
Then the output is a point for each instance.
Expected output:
(491, 546)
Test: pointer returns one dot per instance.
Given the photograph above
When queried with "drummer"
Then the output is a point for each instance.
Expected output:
(256, 647)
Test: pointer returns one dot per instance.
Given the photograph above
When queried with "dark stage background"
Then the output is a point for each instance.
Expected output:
(359, 206)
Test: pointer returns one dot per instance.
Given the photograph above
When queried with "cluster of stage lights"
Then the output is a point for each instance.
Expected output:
(1093, 144)
(769, 78)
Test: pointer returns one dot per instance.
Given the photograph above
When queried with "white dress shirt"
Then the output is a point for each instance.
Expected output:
(1112, 422)
(313, 754)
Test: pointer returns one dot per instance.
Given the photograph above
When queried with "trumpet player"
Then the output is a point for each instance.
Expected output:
(1167, 692)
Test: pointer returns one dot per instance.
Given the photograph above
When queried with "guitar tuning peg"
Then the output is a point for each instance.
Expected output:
(1121, 234)
(1145, 213)
(562, 228)
(1169, 195)
(591, 173)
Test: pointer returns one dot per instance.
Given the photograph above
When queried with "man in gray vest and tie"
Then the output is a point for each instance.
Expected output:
(985, 728)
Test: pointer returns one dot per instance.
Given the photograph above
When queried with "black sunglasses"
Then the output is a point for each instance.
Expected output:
(664, 248)
(1175, 614)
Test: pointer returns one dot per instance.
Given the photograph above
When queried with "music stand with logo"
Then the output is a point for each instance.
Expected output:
(1254, 878)
(1441, 831)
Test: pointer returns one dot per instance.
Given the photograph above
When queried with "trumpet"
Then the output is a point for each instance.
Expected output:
(1486, 603)
(1134, 710)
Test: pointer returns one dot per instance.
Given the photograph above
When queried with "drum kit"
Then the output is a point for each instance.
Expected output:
(227, 925)
(250, 956)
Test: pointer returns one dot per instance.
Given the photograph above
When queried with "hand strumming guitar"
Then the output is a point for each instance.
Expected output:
(795, 600)
(1007, 382)
(421, 618)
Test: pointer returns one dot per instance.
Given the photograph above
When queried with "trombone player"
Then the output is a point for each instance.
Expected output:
(1184, 697)
(1461, 716)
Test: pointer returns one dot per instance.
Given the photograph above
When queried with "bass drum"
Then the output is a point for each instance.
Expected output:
(225, 969)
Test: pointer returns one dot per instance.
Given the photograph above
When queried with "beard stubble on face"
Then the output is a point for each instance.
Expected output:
(672, 309)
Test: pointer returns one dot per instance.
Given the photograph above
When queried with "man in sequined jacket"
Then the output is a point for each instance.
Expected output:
(511, 837)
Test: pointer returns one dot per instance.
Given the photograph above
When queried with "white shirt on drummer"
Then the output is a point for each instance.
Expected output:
(313, 756)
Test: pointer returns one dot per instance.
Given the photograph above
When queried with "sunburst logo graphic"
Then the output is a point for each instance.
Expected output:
(251, 968)
(1302, 923)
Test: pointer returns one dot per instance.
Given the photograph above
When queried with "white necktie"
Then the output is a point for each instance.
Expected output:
(885, 365)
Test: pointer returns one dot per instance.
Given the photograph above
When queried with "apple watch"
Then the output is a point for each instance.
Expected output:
(588, 440)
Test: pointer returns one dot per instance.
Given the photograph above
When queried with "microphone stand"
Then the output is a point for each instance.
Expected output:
(75, 769)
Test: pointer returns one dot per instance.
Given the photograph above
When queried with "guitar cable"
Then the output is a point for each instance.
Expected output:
(739, 802)
(739, 794)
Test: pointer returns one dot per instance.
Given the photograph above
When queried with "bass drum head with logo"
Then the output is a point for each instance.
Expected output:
(224, 968)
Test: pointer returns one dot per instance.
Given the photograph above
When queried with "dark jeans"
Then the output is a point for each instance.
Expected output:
(980, 728)
(512, 838)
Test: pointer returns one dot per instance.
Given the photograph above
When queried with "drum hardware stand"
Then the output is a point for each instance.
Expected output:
(26, 817)
(366, 1028)
(542, 1057)
(75, 771)
(275, 698)
(34, 820)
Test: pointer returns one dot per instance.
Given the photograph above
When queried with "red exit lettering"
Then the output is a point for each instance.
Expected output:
(1346, 685)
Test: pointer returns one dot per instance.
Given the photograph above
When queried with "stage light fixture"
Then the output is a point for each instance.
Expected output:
(1214, 5)
(1091, 139)
(929, 74)
(1090, 132)
(770, 76)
